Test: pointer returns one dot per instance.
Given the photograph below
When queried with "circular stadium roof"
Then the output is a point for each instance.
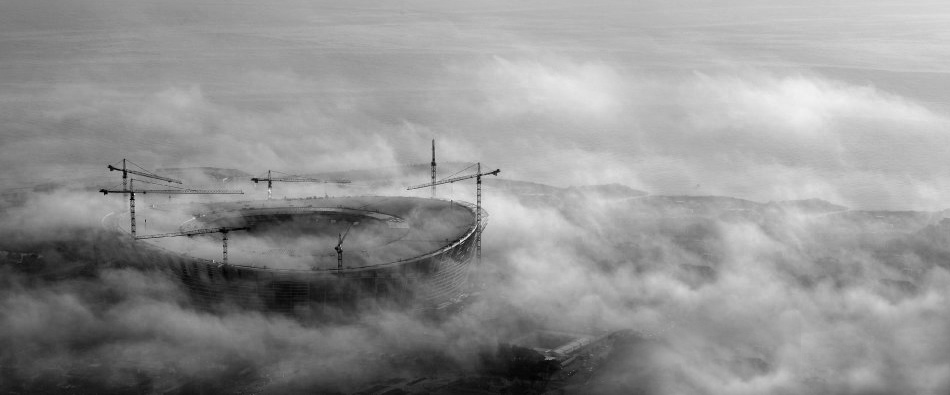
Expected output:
(301, 234)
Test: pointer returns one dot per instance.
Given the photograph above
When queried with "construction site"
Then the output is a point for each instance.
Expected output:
(306, 255)
(324, 262)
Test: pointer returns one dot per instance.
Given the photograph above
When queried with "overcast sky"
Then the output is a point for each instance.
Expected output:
(764, 100)
(845, 101)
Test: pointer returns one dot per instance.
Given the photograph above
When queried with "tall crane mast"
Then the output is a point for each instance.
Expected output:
(339, 247)
(478, 201)
(433, 168)
(131, 192)
(292, 178)
(125, 174)
(224, 237)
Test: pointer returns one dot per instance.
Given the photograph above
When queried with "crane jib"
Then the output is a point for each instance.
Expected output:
(139, 173)
(256, 180)
(448, 180)
(175, 191)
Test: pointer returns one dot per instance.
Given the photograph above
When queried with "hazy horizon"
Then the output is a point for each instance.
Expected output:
(766, 100)
(846, 102)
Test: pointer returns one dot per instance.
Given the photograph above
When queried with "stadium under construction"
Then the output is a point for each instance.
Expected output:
(309, 255)
(398, 250)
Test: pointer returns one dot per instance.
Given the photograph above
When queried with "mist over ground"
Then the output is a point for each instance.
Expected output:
(756, 100)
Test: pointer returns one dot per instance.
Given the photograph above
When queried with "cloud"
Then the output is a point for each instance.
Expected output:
(811, 128)
(768, 312)
(530, 108)
(727, 306)
(682, 102)
(129, 329)
(548, 87)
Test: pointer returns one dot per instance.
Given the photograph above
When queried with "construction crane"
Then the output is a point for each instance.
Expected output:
(339, 247)
(433, 168)
(224, 237)
(178, 191)
(478, 201)
(126, 172)
(292, 178)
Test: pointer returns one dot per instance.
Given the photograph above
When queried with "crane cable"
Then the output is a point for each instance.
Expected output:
(454, 174)
(115, 164)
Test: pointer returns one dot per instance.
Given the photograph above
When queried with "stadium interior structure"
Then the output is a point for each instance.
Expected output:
(309, 255)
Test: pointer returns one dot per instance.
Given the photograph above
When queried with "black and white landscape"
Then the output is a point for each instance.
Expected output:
(749, 194)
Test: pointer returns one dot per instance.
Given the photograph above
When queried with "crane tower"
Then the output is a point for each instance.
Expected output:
(177, 191)
(478, 201)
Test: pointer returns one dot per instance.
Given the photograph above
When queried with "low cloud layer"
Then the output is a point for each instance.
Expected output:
(755, 101)
(763, 299)
(788, 303)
